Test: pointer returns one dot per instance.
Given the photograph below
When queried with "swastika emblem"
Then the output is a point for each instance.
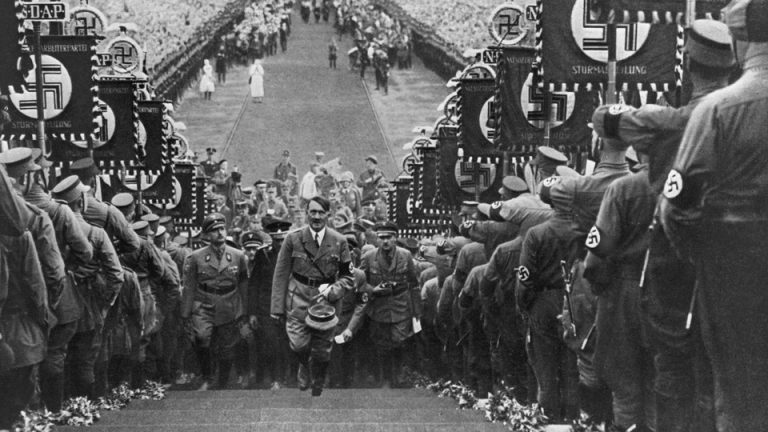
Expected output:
(86, 20)
(126, 54)
(592, 36)
(131, 181)
(523, 273)
(550, 181)
(486, 112)
(496, 205)
(464, 172)
(532, 101)
(510, 24)
(674, 185)
(593, 238)
(57, 90)
(107, 124)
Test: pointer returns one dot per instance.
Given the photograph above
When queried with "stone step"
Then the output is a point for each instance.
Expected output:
(415, 415)
(294, 401)
(357, 393)
(296, 427)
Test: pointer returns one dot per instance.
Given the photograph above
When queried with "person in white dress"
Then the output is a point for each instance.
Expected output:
(207, 86)
(256, 81)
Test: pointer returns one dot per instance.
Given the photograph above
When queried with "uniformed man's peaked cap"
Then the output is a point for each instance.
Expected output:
(546, 156)
(386, 228)
(69, 189)
(18, 161)
(709, 43)
(251, 239)
(142, 228)
(748, 20)
(122, 200)
(84, 167)
(514, 184)
(321, 317)
(213, 222)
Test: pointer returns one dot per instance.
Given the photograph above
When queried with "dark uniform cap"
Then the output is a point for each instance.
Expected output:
(748, 20)
(84, 167)
(259, 182)
(514, 184)
(69, 189)
(241, 204)
(548, 157)
(607, 120)
(372, 158)
(321, 317)
(286, 152)
(18, 161)
(122, 200)
(251, 239)
(368, 200)
(710, 44)
(247, 191)
(386, 229)
(274, 225)
(213, 222)
(237, 176)
(210, 150)
(142, 228)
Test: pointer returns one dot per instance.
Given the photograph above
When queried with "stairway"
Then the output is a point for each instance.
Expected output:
(289, 410)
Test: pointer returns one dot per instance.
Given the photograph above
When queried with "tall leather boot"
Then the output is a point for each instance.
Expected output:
(396, 368)
(204, 360)
(303, 374)
(319, 369)
(225, 367)
(52, 391)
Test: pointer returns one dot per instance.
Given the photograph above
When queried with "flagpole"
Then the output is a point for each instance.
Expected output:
(610, 91)
(40, 98)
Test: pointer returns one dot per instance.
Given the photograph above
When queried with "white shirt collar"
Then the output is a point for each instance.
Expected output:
(321, 234)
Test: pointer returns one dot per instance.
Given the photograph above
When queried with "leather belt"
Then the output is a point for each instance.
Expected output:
(216, 290)
(314, 283)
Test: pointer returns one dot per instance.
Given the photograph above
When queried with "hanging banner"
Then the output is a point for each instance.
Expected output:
(428, 177)
(11, 42)
(476, 107)
(182, 205)
(70, 92)
(659, 11)
(156, 188)
(400, 205)
(118, 124)
(572, 45)
(152, 134)
(457, 175)
(521, 111)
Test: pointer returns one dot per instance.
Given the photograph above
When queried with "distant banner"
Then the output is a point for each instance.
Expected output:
(475, 108)
(660, 11)
(152, 135)
(157, 189)
(182, 205)
(400, 205)
(428, 177)
(117, 120)
(70, 92)
(460, 176)
(521, 113)
(11, 38)
(572, 44)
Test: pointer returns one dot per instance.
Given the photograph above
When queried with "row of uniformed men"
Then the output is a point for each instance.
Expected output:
(646, 329)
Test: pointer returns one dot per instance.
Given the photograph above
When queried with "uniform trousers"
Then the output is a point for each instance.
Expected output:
(732, 303)
(81, 359)
(17, 387)
(52, 368)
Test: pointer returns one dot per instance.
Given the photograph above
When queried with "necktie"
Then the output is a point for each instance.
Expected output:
(317, 239)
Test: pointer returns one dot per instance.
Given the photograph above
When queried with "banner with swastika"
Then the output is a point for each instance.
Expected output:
(475, 108)
(521, 110)
(183, 200)
(457, 176)
(11, 39)
(151, 118)
(659, 11)
(69, 91)
(572, 43)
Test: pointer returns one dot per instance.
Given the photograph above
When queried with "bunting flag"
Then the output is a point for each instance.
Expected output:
(660, 11)
(573, 51)
(458, 175)
(182, 205)
(475, 107)
(520, 109)
(11, 42)
(152, 135)
(69, 87)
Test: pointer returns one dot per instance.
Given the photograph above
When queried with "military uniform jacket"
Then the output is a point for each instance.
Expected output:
(113, 222)
(48, 253)
(221, 282)
(301, 258)
(405, 301)
(369, 180)
(209, 167)
(284, 170)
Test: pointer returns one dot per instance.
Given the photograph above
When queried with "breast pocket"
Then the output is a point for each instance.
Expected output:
(299, 259)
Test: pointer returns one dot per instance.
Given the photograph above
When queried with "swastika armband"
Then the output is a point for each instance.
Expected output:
(362, 297)
(523, 273)
(683, 192)
(593, 238)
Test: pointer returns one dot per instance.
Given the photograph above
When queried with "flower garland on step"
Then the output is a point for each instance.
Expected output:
(81, 411)
(499, 407)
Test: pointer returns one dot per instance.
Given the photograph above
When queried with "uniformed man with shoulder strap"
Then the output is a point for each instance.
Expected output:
(98, 282)
(312, 268)
(100, 214)
(215, 298)
(75, 250)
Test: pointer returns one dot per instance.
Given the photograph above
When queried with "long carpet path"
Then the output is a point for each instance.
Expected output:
(308, 107)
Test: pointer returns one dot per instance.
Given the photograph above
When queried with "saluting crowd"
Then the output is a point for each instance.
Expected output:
(633, 294)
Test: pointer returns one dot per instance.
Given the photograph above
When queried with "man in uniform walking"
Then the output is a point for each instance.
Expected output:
(715, 213)
(395, 300)
(313, 266)
(214, 300)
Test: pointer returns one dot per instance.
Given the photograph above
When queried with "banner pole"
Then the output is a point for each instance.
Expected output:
(40, 99)
(610, 91)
